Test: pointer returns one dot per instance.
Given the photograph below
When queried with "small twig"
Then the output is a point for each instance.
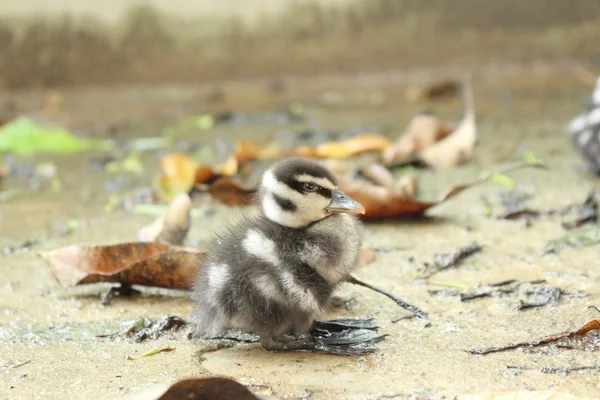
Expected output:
(595, 308)
(414, 309)
(591, 325)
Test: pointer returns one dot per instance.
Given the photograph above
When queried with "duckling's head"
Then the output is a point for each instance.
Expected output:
(297, 192)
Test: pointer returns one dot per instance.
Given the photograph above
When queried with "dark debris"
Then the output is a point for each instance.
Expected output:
(514, 209)
(531, 294)
(556, 370)
(587, 212)
(445, 261)
(146, 328)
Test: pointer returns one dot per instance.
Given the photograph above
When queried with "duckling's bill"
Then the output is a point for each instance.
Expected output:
(342, 203)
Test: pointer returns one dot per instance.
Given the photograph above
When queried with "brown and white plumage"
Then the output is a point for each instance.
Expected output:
(274, 273)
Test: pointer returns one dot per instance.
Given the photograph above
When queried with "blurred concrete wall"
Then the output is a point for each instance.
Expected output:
(111, 10)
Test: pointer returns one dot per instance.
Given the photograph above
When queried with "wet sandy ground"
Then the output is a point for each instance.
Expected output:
(47, 334)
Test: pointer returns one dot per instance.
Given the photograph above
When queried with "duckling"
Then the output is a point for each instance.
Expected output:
(274, 273)
(585, 131)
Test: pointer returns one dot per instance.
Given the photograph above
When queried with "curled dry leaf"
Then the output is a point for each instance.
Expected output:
(245, 150)
(228, 191)
(135, 263)
(379, 174)
(368, 142)
(455, 148)
(171, 227)
(423, 131)
(382, 202)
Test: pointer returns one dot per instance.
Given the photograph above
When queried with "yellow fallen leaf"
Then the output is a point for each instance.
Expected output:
(364, 143)
(151, 353)
(229, 167)
(179, 175)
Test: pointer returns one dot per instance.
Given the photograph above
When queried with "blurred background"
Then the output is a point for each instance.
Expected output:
(69, 42)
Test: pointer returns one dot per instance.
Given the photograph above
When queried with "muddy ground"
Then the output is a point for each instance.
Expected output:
(47, 333)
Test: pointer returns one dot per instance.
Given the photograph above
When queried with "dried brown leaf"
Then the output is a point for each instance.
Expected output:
(455, 148)
(204, 174)
(381, 202)
(208, 388)
(246, 150)
(423, 131)
(398, 202)
(171, 227)
(228, 191)
(379, 174)
(135, 263)
(408, 185)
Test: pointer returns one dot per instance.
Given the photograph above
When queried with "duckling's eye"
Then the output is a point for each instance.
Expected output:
(309, 187)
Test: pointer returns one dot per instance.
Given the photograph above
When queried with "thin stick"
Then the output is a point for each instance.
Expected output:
(414, 309)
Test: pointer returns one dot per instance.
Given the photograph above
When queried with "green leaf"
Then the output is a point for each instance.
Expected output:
(531, 159)
(22, 136)
(503, 180)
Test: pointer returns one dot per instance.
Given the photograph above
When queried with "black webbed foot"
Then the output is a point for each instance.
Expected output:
(339, 336)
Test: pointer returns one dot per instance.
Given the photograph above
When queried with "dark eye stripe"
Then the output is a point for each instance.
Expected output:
(299, 187)
(285, 204)
(324, 192)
